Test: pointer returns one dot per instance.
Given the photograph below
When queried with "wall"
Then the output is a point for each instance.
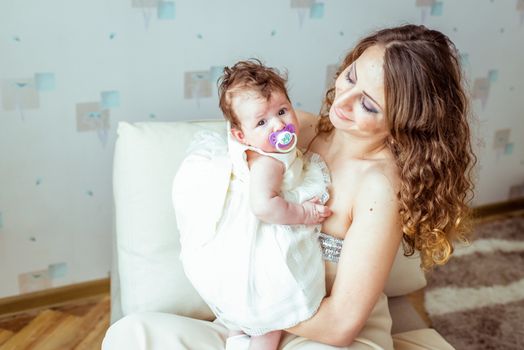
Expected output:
(71, 70)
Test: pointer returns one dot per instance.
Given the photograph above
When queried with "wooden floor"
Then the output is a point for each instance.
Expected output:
(78, 325)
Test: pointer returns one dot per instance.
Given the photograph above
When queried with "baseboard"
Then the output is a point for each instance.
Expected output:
(484, 211)
(53, 296)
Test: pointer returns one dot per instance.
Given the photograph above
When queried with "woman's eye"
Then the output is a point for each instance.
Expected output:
(261, 122)
(367, 107)
(282, 111)
(349, 76)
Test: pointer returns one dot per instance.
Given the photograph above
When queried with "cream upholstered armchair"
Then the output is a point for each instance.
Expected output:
(147, 274)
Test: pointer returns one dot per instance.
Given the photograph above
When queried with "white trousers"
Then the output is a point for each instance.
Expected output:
(161, 331)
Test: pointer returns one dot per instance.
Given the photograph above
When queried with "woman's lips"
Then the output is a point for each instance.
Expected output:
(341, 115)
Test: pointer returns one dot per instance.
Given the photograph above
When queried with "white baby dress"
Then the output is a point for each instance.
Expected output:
(255, 276)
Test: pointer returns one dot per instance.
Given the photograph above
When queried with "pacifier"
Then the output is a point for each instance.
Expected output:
(284, 140)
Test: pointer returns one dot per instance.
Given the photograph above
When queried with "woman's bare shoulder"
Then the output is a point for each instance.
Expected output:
(306, 118)
(308, 124)
(380, 177)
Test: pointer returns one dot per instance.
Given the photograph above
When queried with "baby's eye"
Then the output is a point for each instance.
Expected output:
(261, 122)
(282, 111)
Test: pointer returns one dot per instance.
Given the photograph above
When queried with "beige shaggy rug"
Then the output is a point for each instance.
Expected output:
(476, 301)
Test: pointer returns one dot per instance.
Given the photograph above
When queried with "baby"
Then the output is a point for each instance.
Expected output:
(263, 120)
(261, 268)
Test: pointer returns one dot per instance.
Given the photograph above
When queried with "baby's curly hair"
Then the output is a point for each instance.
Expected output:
(427, 112)
(252, 76)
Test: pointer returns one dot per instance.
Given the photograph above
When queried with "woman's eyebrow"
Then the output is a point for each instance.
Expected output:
(363, 92)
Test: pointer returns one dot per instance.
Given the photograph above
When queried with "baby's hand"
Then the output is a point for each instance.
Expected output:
(315, 213)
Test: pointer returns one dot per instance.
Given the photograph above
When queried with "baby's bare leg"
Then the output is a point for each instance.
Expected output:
(268, 341)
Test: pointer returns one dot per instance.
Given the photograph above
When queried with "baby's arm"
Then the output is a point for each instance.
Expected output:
(266, 179)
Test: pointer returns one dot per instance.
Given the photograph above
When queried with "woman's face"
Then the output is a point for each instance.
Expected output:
(359, 95)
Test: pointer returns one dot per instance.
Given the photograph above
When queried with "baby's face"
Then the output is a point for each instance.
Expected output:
(259, 118)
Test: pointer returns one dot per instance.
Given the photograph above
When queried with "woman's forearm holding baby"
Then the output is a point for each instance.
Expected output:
(329, 325)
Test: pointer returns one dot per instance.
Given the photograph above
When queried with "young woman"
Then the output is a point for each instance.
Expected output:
(394, 134)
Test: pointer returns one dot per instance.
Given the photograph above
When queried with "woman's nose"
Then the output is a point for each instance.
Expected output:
(345, 99)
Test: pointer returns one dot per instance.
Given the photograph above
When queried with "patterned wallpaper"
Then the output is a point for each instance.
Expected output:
(71, 70)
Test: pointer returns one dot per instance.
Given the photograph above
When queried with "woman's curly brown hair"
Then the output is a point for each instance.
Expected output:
(427, 112)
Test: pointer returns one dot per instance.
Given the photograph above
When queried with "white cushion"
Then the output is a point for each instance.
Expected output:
(147, 156)
(160, 331)
(151, 277)
(406, 276)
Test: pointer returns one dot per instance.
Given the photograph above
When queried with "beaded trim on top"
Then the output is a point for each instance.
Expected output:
(331, 247)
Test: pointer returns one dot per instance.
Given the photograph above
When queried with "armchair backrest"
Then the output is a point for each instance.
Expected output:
(147, 273)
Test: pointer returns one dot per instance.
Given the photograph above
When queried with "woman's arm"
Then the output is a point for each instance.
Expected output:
(266, 176)
(368, 253)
